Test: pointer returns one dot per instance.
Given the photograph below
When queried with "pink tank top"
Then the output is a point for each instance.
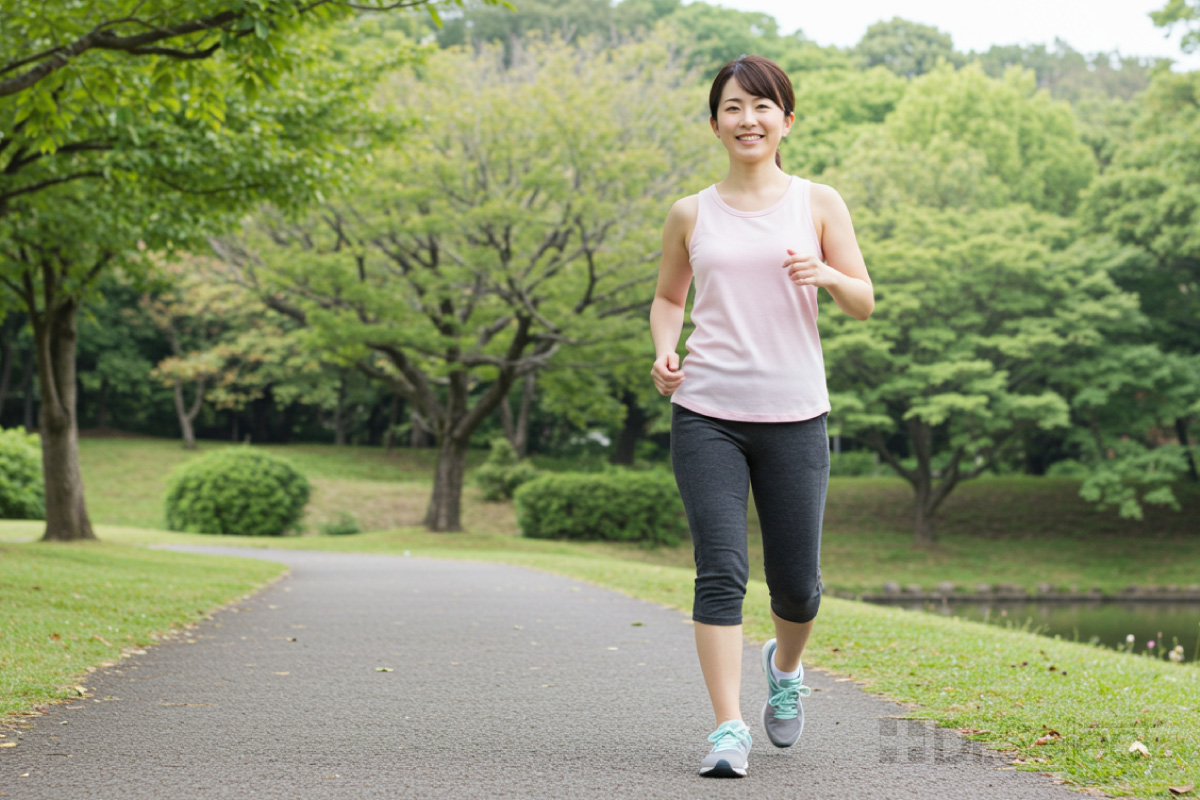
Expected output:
(755, 355)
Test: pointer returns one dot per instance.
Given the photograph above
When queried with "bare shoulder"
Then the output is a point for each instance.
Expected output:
(826, 201)
(684, 211)
(681, 219)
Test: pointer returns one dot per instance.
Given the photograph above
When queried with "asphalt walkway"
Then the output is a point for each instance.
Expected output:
(501, 682)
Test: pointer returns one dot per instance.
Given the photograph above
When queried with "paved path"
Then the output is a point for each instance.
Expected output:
(506, 683)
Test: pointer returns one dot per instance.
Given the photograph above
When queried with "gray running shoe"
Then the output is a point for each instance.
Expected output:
(782, 716)
(731, 748)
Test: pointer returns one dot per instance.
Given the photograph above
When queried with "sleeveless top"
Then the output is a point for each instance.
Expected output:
(755, 355)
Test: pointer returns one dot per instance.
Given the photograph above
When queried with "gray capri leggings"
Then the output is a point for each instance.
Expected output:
(787, 465)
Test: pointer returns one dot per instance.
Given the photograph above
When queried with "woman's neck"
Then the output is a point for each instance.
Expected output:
(755, 178)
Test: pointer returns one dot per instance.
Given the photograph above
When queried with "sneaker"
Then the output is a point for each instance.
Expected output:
(731, 748)
(783, 716)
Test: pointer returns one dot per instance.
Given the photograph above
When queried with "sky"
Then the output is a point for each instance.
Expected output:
(1088, 26)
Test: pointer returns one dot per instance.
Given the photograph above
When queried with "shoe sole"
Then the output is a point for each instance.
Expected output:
(768, 709)
(723, 769)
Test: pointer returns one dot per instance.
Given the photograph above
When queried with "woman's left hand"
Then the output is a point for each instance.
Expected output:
(808, 270)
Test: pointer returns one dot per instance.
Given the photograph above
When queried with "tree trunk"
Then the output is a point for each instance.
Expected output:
(420, 434)
(389, 433)
(187, 415)
(27, 392)
(66, 511)
(517, 430)
(5, 373)
(631, 431)
(1181, 430)
(445, 505)
(925, 536)
(921, 436)
(102, 406)
(339, 415)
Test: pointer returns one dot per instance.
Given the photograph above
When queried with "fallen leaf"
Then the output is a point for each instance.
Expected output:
(82, 690)
(1052, 736)
(55, 636)
(1138, 747)
(610, 648)
(283, 673)
(106, 642)
(637, 624)
(1178, 790)
(384, 669)
(8, 744)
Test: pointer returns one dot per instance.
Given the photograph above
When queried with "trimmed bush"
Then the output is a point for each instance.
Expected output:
(236, 491)
(617, 506)
(502, 473)
(22, 492)
(346, 524)
(853, 463)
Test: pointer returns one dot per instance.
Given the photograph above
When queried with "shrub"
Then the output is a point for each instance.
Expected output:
(236, 491)
(853, 463)
(22, 492)
(619, 506)
(345, 525)
(502, 473)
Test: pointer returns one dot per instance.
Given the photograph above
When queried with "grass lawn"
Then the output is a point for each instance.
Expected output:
(1007, 688)
(1018, 530)
(68, 609)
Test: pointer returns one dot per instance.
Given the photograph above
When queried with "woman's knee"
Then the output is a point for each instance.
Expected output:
(798, 605)
(719, 597)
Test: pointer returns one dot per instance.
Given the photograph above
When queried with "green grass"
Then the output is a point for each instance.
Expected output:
(996, 682)
(71, 608)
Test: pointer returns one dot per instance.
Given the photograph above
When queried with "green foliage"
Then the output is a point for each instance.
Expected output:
(616, 506)
(503, 472)
(346, 524)
(708, 36)
(853, 463)
(1185, 12)
(22, 493)
(906, 48)
(236, 491)
(959, 139)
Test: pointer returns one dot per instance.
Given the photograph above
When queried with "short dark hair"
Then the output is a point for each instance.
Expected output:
(760, 76)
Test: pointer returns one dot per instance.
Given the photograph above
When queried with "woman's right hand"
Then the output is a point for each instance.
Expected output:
(666, 374)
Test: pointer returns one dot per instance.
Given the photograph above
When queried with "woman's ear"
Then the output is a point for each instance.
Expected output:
(713, 122)
(789, 121)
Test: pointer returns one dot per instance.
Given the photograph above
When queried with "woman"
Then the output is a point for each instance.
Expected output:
(750, 401)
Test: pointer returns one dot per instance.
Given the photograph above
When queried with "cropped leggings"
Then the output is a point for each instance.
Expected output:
(787, 465)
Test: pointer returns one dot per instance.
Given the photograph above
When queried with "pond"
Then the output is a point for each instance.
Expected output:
(1105, 622)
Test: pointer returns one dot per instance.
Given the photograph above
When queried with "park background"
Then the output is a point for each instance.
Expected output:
(377, 242)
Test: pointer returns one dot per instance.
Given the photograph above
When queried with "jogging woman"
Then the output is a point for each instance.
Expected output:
(749, 400)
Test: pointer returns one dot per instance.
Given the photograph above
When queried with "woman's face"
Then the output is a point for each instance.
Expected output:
(750, 127)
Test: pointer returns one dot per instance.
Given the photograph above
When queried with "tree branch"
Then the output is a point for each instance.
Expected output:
(6, 196)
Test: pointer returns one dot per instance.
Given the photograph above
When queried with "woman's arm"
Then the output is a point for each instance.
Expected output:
(667, 310)
(843, 273)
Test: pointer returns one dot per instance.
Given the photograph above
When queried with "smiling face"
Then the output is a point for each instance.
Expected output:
(749, 126)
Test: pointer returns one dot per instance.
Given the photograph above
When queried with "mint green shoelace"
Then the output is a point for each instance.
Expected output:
(785, 700)
(729, 737)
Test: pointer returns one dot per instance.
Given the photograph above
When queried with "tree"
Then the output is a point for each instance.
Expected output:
(1181, 12)
(1146, 209)
(711, 35)
(906, 48)
(834, 107)
(157, 180)
(512, 226)
(958, 197)
(976, 312)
